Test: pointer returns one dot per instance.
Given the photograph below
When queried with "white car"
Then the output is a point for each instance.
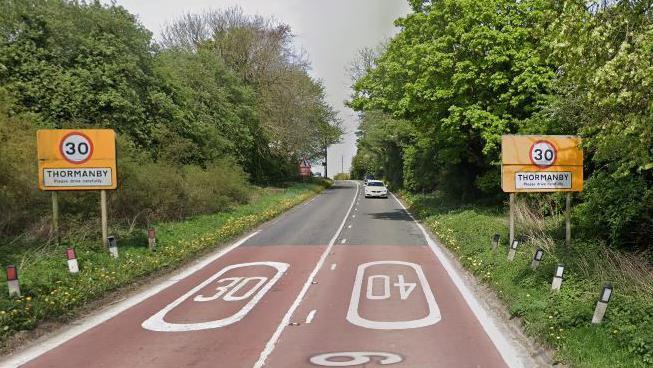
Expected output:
(376, 188)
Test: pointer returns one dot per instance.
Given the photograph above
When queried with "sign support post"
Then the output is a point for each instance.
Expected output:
(103, 210)
(55, 216)
(568, 220)
(512, 218)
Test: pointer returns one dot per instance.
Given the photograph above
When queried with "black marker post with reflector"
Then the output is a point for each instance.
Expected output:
(113, 246)
(602, 303)
(537, 258)
(557, 277)
(12, 281)
(73, 266)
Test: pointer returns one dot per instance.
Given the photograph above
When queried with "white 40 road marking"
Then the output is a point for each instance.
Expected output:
(405, 290)
(355, 358)
(226, 291)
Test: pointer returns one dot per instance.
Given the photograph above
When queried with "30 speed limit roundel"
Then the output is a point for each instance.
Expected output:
(543, 153)
(76, 148)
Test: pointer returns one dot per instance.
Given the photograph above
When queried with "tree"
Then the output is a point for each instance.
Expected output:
(464, 73)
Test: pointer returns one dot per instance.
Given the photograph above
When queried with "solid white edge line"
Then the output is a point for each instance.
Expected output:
(269, 347)
(92, 321)
(505, 348)
(310, 316)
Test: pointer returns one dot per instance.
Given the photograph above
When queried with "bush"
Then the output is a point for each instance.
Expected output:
(617, 208)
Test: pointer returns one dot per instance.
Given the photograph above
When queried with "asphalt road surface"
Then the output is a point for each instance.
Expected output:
(341, 281)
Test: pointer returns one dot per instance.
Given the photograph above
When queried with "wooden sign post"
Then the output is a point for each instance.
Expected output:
(541, 163)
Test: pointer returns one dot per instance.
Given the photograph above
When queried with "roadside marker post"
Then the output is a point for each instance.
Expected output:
(12, 281)
(151, 238)
(513, 250)
(495, 241)
(537, 258)
(557, 277)
(73, 266)
(113, 246)
(602, 304)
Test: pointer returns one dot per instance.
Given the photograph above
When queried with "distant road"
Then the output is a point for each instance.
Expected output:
(341, 281)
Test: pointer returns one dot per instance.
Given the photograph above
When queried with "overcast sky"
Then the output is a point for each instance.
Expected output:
(331, 31)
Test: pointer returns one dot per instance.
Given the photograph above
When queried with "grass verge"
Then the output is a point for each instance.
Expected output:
(559, 320)
(50, 292)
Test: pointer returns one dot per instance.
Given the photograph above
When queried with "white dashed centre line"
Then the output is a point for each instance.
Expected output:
(310, 316)
(343, 241)
(333, 266)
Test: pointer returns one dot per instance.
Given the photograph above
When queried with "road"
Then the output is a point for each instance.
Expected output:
(341, 281)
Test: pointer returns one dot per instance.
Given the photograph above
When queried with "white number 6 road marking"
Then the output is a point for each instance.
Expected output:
(405, 289)
(260, 287)
(355, 358)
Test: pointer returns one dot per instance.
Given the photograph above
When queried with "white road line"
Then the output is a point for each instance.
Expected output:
(90, 322)
(333, 266)
(349, 227)
(310, 316)
(269, 347)
(353, 216)
(343, 241)
(505, 348)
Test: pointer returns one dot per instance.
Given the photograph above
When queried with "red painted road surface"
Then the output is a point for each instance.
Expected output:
(380, 298)
(455, 340)
(123, 342)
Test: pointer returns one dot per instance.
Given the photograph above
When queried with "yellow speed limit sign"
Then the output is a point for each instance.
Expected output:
(541, 163)
(82, 159)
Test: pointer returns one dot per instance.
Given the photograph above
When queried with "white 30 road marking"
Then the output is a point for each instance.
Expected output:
(157, 322)
(355, 358)
(405, 289)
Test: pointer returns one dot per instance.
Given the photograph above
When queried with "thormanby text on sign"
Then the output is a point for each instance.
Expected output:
(83, 159)
(541, 163)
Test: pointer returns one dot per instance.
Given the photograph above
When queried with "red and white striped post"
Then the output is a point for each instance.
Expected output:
(12, 281)
(151, 238)
(73, 266)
